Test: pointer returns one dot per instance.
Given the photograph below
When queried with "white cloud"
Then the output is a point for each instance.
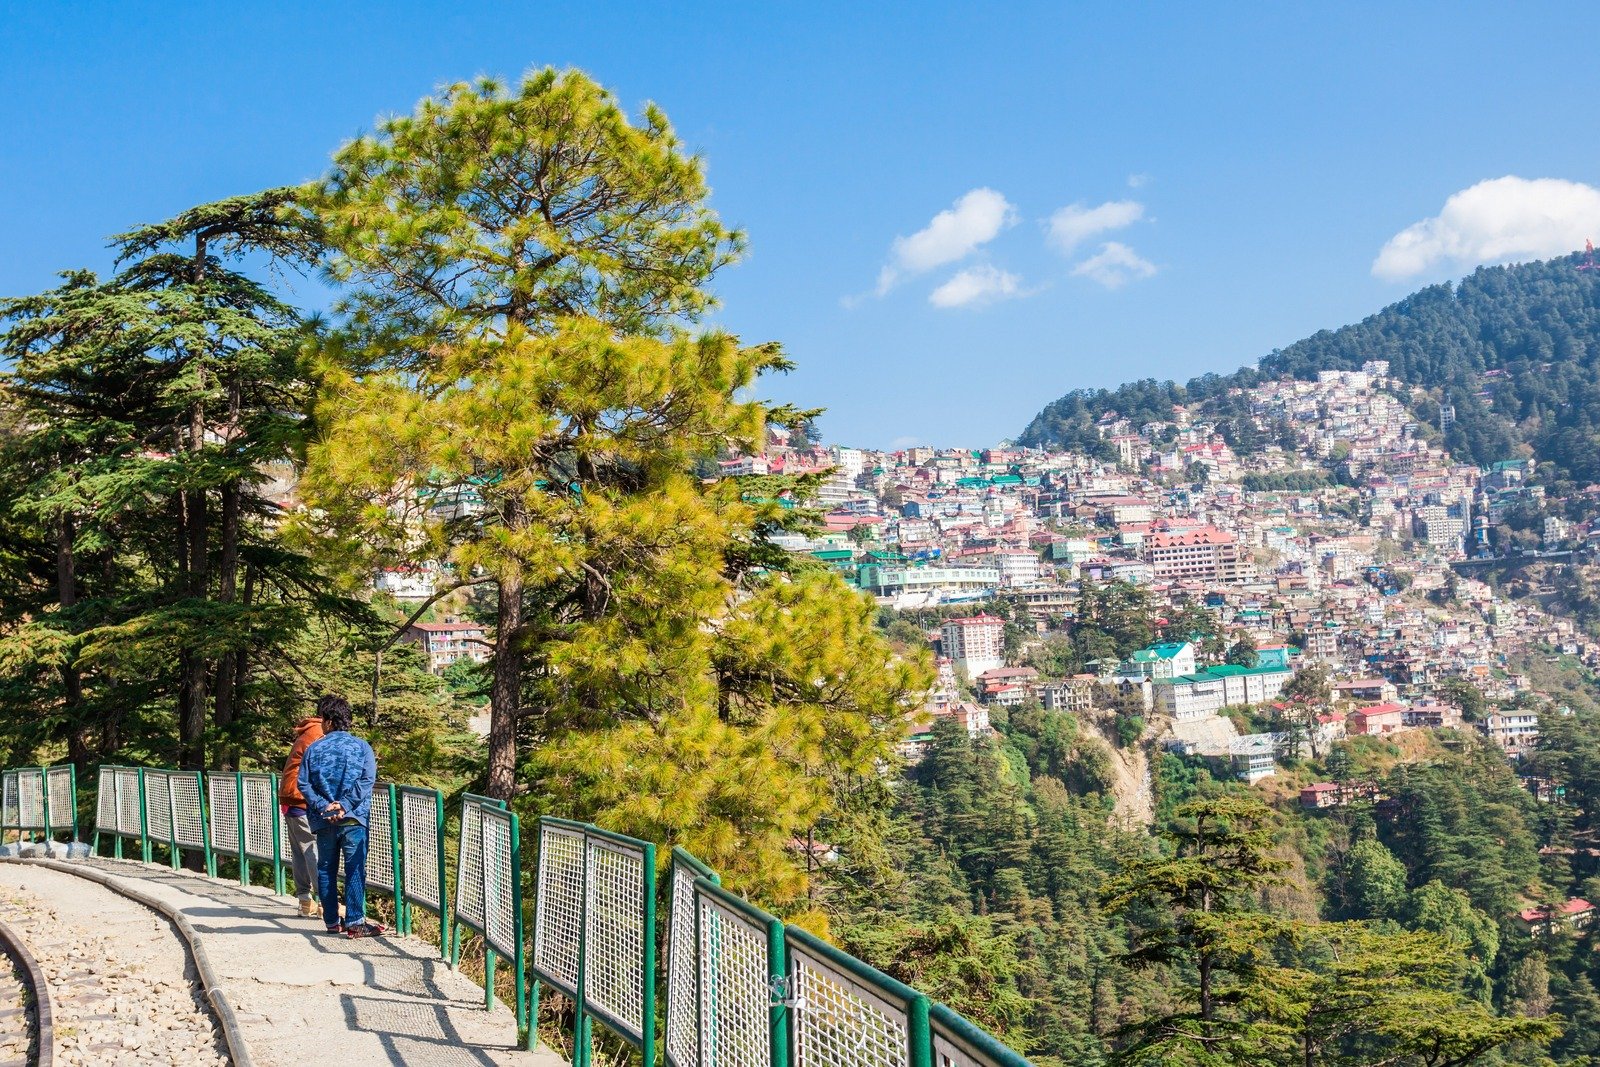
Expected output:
(1114, 266)
(978, 285)
(953, 234)
(1497, 220)
(1076, 223)
(1138, 181)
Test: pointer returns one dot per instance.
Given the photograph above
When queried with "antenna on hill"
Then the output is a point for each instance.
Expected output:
(1588, 257)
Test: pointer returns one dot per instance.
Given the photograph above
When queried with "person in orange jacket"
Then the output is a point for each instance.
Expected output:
(302, 842)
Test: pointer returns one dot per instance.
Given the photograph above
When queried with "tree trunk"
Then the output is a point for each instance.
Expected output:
(505, 691)
(192, 549)
(226, 755)
(71, 679)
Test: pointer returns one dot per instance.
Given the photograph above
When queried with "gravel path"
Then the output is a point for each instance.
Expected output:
(16, 1026)
(121, 981)
(303, 997)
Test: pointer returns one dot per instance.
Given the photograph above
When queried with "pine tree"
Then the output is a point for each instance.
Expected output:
(470, 232)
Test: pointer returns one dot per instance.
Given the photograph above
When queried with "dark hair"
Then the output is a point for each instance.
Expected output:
(335, 711)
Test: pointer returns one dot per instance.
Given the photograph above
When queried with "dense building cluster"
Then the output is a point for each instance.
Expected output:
(1340, 533)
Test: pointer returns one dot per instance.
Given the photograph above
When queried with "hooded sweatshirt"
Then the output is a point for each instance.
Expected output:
(305, 731)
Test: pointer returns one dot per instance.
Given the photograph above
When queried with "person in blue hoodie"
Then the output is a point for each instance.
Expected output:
(337, 774)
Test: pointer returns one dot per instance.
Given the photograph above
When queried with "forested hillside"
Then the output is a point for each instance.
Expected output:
(1515, 350)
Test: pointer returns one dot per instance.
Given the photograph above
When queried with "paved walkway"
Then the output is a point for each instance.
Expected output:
(303, 996)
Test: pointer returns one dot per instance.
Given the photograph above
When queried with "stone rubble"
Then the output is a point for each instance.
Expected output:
(121, 984)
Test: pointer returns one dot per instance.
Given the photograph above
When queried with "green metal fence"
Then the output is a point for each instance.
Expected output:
(847, 1013)
(119, 809)
(742, 989)
(10, 803)
(157, 802)
(680, 1037)
(619, 937)
(422, 864)
(558, 908)
(261, 823)
(39, 800)
(61, 801)
(469, 872)
(383, 849)
(595, 931)
(225, 829)
(742, 1014)
(488, 899)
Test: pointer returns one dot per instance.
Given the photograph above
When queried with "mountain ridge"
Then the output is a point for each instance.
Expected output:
(1514, 350)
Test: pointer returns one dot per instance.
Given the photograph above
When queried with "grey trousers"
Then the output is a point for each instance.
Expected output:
(302, 856)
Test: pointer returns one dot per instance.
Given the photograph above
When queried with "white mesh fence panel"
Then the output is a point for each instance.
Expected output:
(260, 812)
(558, 907)
(469, 866)
(419, 827)
(63, 799)
(30, 799)
(223, 798)
(188, 822)
(499, 882)
(682, 1045)
(839, 1022)
(8, 799)
(128, 802)
(380, 840)
(105, 802)
(613, 962)
(735, 988)
(158, 805)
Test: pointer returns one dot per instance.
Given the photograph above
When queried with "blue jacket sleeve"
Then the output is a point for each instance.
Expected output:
(365, 781)
(315, 801)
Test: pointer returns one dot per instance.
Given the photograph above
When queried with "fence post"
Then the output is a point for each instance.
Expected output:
(277, 839)
(519, 960)
(116, 792)
(778, 1014)
(205, 822)
(176, 857)
(402, 911)
(144, 821)
(648, 979)
(240, 818)
(72, 789)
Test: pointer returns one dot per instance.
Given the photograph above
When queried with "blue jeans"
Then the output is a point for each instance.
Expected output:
(349, 841)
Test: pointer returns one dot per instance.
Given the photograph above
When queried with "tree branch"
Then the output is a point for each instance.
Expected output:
(426, 604)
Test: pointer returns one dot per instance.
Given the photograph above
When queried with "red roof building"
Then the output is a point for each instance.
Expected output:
(1376, 719)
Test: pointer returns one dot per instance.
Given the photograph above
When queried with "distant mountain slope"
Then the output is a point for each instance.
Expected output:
(1515, 349)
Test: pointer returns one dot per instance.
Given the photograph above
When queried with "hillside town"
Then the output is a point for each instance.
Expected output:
(1346, 538)
(1367, 573)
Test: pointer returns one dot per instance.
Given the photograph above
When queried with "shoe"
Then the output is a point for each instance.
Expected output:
(336, 928)
(363, 929)
(308, 908)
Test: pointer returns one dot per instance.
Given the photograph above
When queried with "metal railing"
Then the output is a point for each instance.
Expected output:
(488, 899)
(742, 989)
(384, 866)
(422, 864)
(683, 960)
(39, 800)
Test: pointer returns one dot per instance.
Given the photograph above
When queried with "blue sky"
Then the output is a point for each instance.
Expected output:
(1233, 174)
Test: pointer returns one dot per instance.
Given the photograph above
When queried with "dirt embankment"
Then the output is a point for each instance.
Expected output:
(1131, 789)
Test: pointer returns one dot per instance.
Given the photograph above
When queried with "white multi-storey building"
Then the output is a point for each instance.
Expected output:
(974, 644)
